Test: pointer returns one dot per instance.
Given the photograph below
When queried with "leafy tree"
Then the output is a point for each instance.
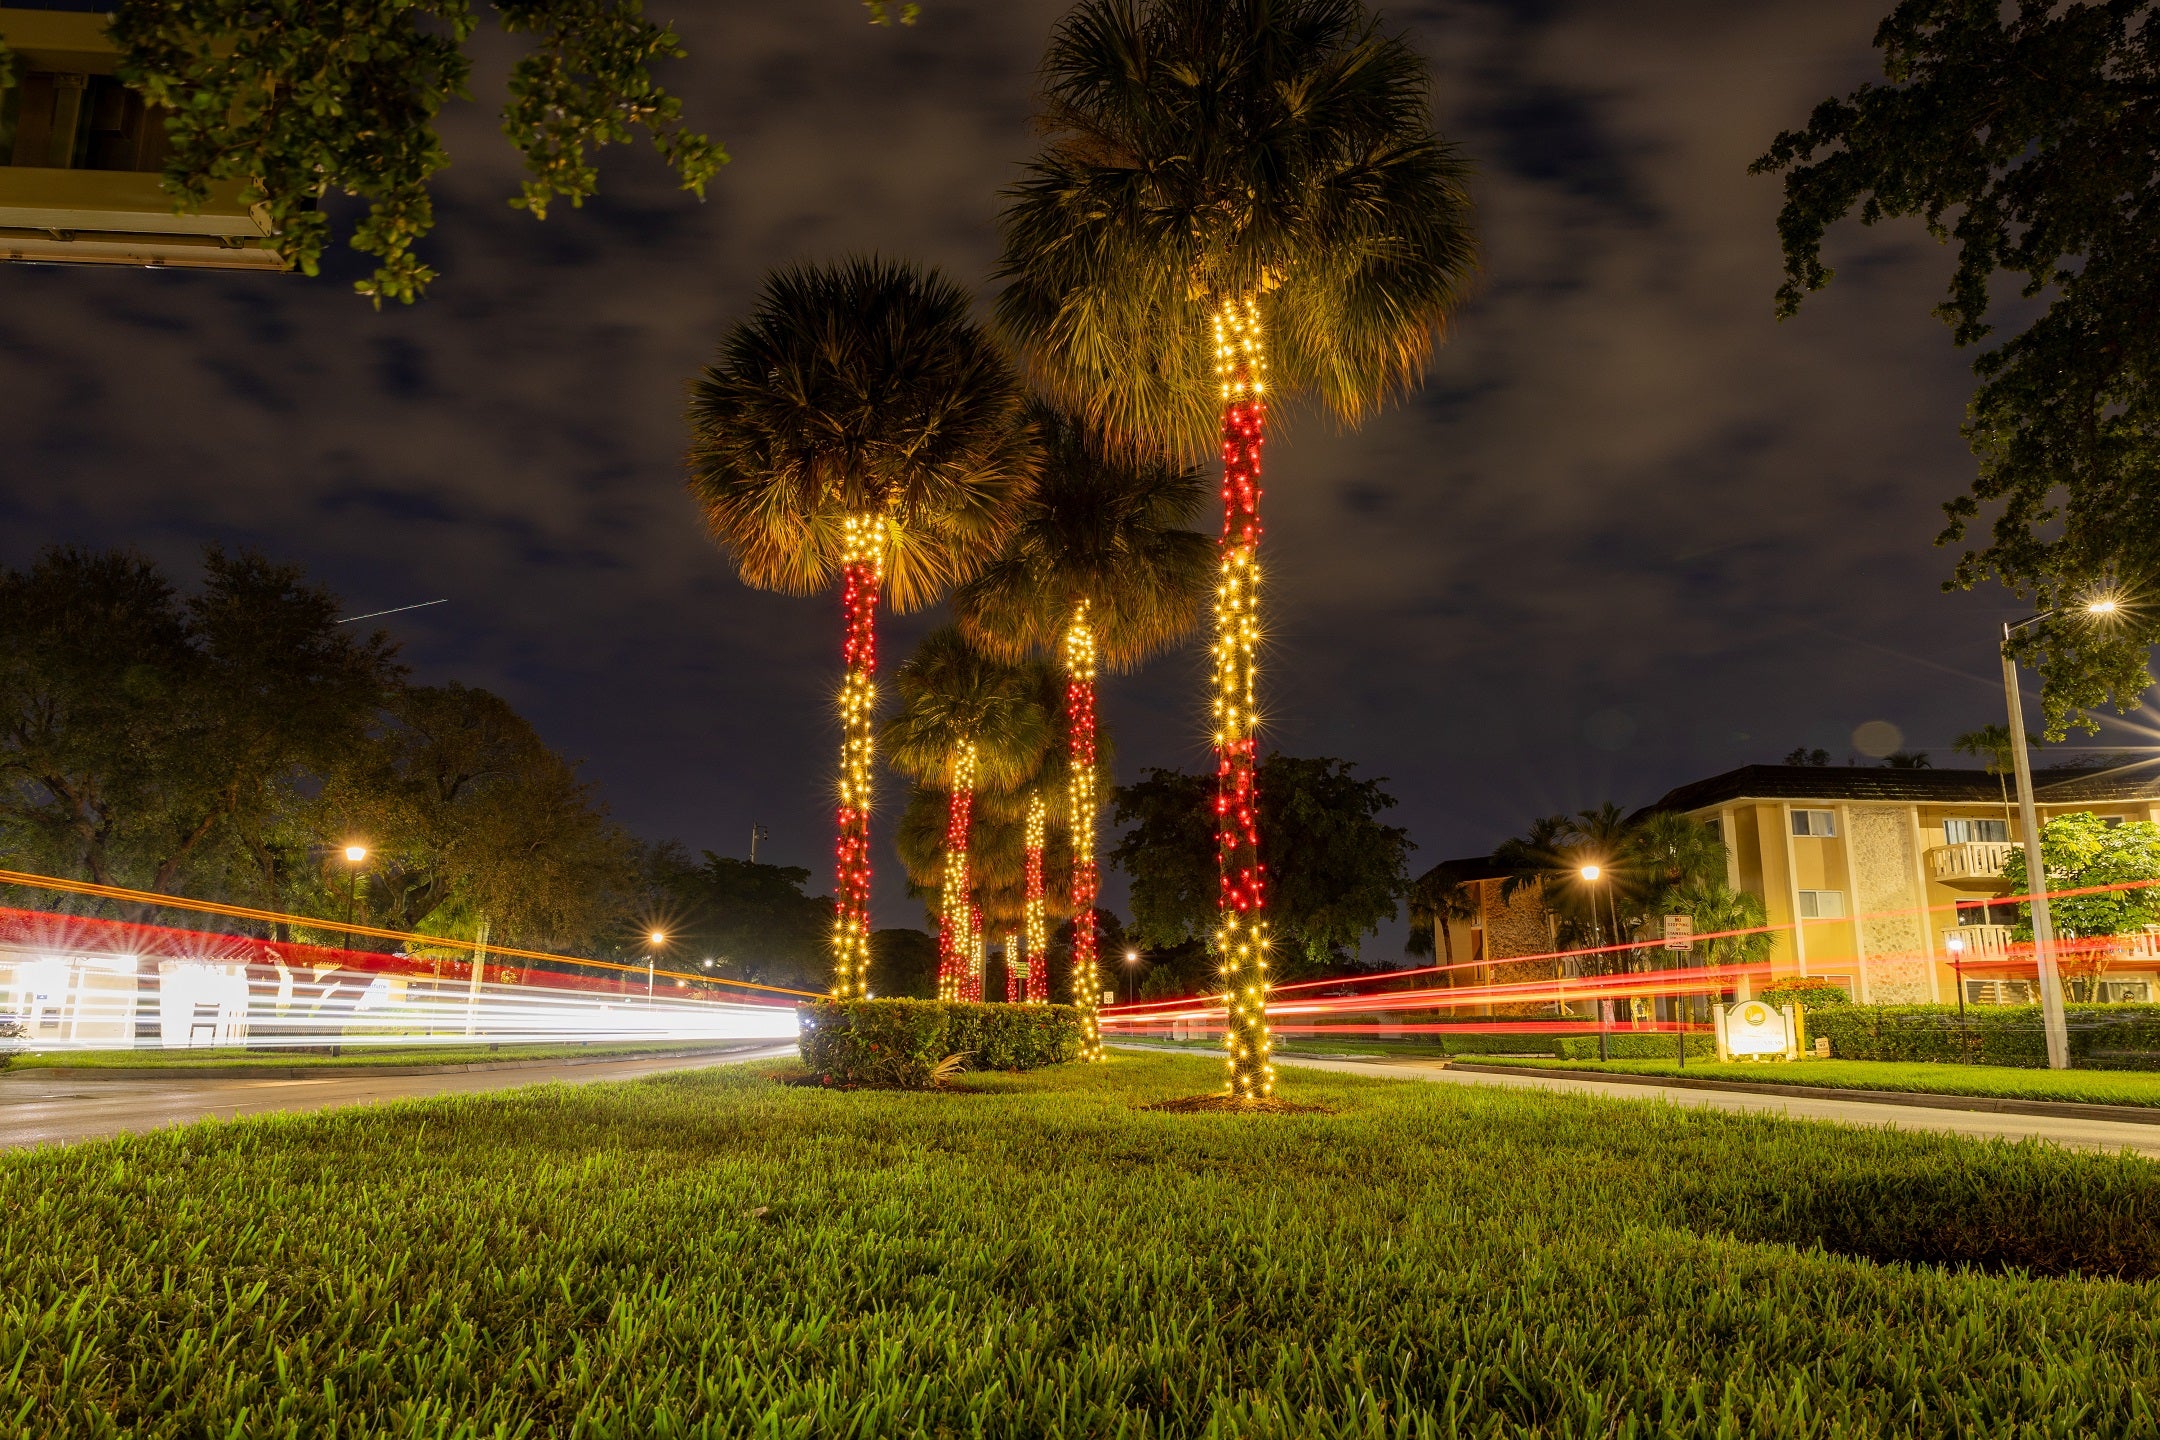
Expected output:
(157, 743)
(2028, 136)
(753, 921)
(904, 964)
(1805, 756)
(468, 818)
(1717, 910)
(1908, 760)
(303, 101)
(1337, 870)
(1638, 864)
(859, 426)
(1237, 200)
(1438, 898)
(2081, 850)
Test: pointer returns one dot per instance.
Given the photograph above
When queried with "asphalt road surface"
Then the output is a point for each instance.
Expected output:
(2078, 1134)
(39, 1108)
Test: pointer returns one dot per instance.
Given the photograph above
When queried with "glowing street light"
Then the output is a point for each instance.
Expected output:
(356, 853)
(1132, 958)
(1591, 874)
(654, 941)
(2053, 1021)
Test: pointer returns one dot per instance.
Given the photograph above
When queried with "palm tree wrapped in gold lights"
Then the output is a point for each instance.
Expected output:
(859, 426)
(966, 724)
(1101, 572)
(1237, 200)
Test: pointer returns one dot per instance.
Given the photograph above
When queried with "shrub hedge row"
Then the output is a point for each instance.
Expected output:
(2102, 1037)
(900, 1042)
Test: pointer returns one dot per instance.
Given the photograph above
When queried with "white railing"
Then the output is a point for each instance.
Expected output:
(1975, 860)
(1976, 942)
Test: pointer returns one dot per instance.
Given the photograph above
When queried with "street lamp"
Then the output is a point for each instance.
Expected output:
(1132, 958)
(1591, 874)
(2051, 997)
(654, 941)
(355, 856)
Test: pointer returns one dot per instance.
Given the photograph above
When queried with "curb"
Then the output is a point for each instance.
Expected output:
(1993, 1104)
(331, 1070)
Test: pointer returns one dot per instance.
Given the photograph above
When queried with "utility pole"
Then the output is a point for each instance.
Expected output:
(472, 992)
(2051, 996)
(757, 832)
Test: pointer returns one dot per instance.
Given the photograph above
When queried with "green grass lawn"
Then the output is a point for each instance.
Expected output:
(350, 1056)
(2101, 1087)
(714, 1254)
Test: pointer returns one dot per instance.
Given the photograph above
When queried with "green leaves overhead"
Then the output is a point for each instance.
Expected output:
(1102, 528)
(863, 388)
(1200, 150)
(304, 101)
(952, 695)
(2028, 137)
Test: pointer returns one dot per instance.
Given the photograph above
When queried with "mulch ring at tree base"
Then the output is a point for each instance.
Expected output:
(1228, 1104)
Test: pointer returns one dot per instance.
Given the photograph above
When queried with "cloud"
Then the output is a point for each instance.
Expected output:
(1604, 551)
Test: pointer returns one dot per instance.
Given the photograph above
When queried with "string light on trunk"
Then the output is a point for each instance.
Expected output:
(1035, 915)
(862, 572)
(1080, 731)
(953, 936)
(1241, 934)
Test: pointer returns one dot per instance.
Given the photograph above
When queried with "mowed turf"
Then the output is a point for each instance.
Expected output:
(716, 1254)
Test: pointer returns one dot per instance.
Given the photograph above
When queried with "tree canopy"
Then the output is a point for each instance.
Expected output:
(1334, 871)
(753, 921)
(304, 101)
(2028, 136)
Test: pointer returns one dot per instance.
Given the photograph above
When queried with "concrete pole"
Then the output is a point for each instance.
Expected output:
(2051, 995)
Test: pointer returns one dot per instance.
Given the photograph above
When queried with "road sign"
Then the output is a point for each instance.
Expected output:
(1679, 931)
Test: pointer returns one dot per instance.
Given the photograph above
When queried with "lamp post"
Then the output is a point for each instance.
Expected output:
(355, 856)
(2051, 997)
(1132, 959)
(653, 942)
(1592, 874)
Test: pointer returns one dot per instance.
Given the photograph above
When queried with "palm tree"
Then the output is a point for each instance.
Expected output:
(859, 425)
(966, 723)
(1216, 171)
(1101, 571)
(1990, 744)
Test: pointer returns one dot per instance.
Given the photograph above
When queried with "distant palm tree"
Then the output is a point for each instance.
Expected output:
(1237, 199)
(1437, 901)
(859, 426)
(1991, 745)
(1101, 572)
(966, 723)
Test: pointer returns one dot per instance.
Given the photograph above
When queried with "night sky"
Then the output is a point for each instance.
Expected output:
(1632, 532)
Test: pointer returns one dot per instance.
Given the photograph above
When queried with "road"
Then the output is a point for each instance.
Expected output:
(2077, 1134)
(38, 1108)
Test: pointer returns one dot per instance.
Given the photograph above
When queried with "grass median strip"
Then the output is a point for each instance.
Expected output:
(2090, 1087)
(713, 1254)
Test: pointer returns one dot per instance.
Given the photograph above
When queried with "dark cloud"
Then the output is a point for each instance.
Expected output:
(1632, 532)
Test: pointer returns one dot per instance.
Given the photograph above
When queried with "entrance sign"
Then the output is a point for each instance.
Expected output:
(1752, 1030)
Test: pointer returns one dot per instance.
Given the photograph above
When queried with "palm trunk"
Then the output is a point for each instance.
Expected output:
(976, 957)
(1016, 967)
(953, 940)
(863, 575)
(1036, 915)
(1080, 817)
(1241, 934)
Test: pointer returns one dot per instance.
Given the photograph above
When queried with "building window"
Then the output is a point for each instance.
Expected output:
(1987, 912)
(1822, 904)
(1967, 832)
(1814, 822)
(1999, 992)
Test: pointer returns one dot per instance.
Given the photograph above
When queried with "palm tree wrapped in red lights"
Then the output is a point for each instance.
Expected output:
(1100, 572)
(859, 425)
(1237, 199)
(967, 723)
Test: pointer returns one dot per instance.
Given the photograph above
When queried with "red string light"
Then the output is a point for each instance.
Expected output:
(862, 576)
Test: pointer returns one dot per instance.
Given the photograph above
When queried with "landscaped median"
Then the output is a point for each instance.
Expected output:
(715, 1254)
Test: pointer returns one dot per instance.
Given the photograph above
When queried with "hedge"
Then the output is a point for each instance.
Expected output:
(2102, 1037)
(900, 1042)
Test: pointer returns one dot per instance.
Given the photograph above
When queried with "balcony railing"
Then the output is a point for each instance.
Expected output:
(1976, 942)
(1976, 864)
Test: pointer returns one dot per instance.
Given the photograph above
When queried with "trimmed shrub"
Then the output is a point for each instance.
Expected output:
(900, 1042)
(1809, 995)
(2113, 1037)
(1633, 1046)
